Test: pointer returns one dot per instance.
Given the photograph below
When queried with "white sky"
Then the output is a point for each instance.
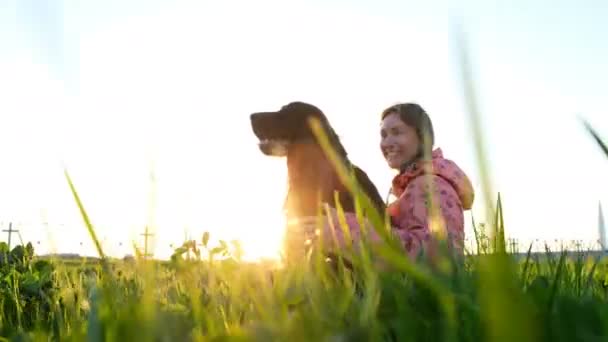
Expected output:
(108, 87)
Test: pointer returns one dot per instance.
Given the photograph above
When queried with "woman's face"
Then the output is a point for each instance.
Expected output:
(399, 142)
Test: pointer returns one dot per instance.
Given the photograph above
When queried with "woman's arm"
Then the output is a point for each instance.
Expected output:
(413, 214)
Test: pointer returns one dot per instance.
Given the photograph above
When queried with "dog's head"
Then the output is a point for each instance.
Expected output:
(278, 130)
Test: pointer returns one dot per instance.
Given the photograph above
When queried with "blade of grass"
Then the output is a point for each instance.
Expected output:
(475, 121)
(86, 219)
(589, 283)
(476, 234)
(596, 137)
(499, 241)
(506, 311)
(556, 280)
(526, 267)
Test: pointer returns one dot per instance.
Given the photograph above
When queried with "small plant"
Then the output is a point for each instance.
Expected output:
(28, 295)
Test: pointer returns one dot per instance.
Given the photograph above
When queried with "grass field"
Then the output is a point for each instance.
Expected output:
(210, 294)
(486, 298)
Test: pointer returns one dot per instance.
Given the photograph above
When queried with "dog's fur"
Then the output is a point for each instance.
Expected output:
(311, 177)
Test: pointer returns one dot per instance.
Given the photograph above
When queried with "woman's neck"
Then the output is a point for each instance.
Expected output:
(408, 165)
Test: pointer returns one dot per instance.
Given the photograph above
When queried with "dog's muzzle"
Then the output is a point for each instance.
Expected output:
(274, 147)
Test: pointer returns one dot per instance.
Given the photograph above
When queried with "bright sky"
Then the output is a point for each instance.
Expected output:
(110, 87)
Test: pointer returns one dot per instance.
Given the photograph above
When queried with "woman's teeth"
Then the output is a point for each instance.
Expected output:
(392, 155)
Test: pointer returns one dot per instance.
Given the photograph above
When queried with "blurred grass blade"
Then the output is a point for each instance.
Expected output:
(472, 107)
(526, 267)
(590, 275)
(556, 280)
(85, 216)
(596, 137)
(506, 312)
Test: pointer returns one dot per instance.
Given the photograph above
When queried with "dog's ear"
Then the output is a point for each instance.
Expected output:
(370, 188)
(335, 142)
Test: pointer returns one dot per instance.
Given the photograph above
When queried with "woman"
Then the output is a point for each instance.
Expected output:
(407, 144)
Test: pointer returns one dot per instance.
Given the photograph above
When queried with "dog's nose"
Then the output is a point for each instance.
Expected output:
(254, 117)
(257, 124)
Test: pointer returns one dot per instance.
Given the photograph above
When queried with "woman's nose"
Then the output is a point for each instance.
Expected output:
(385, 142)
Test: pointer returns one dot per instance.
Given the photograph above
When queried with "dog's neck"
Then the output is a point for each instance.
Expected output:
(311, 180)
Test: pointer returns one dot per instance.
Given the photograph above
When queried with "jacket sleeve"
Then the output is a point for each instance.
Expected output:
(412, 216)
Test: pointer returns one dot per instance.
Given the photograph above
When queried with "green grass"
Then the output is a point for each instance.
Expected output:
(210, 294)
(562, 298)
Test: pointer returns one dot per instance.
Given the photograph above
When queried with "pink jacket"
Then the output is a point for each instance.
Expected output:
(410, 212)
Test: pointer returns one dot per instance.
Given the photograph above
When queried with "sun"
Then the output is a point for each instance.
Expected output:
(262, 235)
(260, 225)
(268, 243)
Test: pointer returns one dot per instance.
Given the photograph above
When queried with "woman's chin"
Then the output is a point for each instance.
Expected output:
(395, 165)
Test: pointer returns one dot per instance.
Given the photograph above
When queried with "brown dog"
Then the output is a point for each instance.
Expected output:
(312, 179)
